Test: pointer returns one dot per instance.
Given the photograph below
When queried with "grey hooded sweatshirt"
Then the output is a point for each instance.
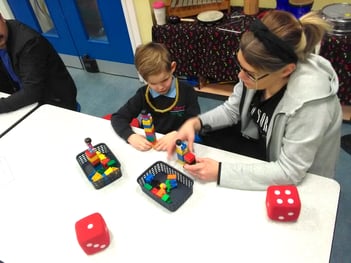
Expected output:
(303, 135)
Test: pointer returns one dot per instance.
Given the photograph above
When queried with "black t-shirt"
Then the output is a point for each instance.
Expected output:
(261, 112)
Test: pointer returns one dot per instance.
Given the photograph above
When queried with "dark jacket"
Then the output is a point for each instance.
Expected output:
(43, 75)
(186, 107)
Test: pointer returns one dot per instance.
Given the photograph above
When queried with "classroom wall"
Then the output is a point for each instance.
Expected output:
(144, 13)
(145, 19)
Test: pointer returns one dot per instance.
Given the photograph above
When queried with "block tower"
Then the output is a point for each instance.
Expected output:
(148, 125)
(183, 153)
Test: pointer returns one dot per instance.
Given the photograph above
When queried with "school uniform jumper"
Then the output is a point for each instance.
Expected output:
(186, 107)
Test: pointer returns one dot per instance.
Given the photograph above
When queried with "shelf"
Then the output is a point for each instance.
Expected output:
(215, 90)
(346, 112)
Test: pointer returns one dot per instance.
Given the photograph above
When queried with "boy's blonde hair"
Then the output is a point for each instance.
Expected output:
(152, 59)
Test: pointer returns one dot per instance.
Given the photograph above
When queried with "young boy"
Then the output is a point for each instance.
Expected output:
(169, 101)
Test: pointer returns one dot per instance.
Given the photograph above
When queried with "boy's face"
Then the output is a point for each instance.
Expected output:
(161, 83)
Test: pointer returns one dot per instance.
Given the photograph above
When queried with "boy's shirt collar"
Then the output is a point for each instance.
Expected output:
(171, 93)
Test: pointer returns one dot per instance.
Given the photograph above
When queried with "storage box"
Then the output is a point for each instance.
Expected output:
(89, 169)
(177, 195)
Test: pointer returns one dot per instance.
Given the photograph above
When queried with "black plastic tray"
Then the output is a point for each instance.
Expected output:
(177, 195)
(88, 168)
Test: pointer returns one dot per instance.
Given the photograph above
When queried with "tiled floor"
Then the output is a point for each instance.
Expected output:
(100, 94)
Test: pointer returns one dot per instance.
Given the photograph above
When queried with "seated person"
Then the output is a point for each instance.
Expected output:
(169, 101)
(284, 110)
(31, 70)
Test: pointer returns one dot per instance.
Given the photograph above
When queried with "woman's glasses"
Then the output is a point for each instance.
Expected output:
(249, 74)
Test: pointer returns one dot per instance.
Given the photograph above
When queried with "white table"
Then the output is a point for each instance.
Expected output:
(45, 192)
(9, 120)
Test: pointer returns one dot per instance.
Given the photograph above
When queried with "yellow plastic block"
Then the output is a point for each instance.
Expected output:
(181, 152)
(96, 177)
(147, 122)
(150, 130)
(110, 170)
(101, 155)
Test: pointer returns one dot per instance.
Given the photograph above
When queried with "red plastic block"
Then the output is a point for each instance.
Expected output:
(189, 158)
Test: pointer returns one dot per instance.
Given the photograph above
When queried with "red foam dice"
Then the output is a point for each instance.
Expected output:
(283, 202)
(92, 233)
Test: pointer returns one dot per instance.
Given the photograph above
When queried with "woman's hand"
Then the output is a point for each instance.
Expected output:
(205, 169)
(185, 133)
(139, 142)
(163, 142)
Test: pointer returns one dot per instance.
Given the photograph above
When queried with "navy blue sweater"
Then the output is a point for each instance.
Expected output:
(186, 107)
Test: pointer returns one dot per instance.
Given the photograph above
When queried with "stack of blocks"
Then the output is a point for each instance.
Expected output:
(148, 125)
(103, 166)
(183, 153)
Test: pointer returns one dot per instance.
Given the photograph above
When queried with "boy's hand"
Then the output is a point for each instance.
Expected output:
(139, 142)
(163, 143)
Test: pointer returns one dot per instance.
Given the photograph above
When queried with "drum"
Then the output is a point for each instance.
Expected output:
(336, 46)
(340, 17)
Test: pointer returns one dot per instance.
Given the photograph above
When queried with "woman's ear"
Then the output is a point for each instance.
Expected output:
(288, 69)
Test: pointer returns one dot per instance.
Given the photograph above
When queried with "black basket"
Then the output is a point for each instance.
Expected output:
(177, 195)
(88, 168)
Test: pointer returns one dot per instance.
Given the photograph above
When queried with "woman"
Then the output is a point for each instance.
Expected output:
(285, 108)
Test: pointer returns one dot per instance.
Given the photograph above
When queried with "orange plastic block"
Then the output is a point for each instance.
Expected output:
(171, 176)
(161, 192)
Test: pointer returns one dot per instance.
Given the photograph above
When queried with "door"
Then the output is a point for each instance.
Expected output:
(94, 28)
